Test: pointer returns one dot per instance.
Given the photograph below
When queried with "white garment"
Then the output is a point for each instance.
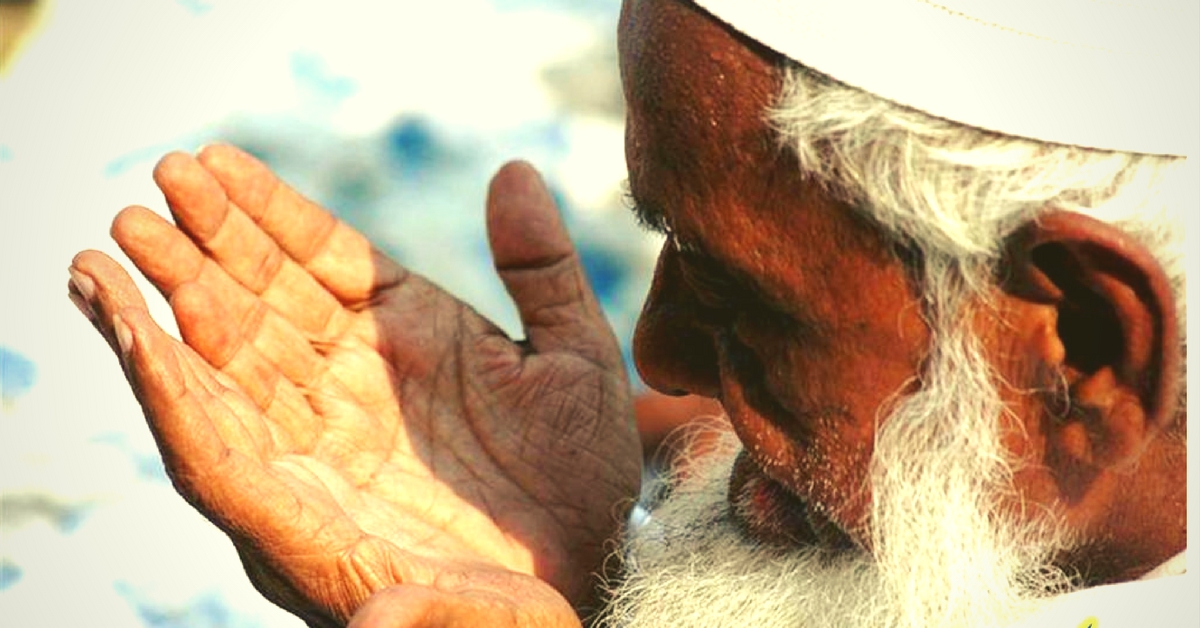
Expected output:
(1120, 75)
(1166, 597)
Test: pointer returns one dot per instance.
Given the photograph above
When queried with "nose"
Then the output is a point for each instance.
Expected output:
(674, 352)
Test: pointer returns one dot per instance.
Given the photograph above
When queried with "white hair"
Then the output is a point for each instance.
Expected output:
(954, 193)
(945, 552)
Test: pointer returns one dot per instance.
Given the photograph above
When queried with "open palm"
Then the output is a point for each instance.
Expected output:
(350, 425)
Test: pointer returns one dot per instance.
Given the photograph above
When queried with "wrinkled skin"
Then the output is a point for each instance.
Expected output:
(772, 295)
(352, 427)
(776, 297)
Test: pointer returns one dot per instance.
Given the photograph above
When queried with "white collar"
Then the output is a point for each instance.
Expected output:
(1163, 597)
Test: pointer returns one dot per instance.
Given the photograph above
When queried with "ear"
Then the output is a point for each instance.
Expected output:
(1117, 326)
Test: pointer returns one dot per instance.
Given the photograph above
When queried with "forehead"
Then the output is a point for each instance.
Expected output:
(697, 97)
(701, 152)
(694, 82)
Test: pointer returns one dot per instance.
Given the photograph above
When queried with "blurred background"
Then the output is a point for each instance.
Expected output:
(393, 114)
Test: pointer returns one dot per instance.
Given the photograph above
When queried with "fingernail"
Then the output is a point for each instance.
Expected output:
(83, 283)
(123, 333)
(82, 305)
(205, 148)
(81, 289)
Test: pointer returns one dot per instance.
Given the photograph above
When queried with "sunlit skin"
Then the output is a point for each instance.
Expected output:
(377, 451)
(778, 310)
(349, 425)
(774, 297)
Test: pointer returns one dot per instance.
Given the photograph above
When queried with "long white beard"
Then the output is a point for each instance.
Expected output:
(944, 553)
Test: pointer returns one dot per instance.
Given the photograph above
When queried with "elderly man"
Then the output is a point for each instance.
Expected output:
(952, 357)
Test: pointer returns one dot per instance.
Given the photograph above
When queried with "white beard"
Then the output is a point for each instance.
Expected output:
(944, 553)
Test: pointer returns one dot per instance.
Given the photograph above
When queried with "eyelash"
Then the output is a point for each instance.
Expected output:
(651, 221)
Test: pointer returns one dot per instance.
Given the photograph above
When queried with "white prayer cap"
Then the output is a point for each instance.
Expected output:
(1112, 74)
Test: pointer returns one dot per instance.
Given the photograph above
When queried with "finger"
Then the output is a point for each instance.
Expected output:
(151, 360)
(540, 269)
(269, 384)
(170, 260)
(160, 251)
(194, 414)
(197, 417)
(288, 378)
(104, 287)
(99, 287)
(304, 393)
(494, 599)
(116, 303)
(400, 606)
(202, 423)
(339, 257)
(247, 254)
(416, 606)
(199, 420)
(167, 385)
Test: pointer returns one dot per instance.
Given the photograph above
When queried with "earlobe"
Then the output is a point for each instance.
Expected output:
(1116, 322)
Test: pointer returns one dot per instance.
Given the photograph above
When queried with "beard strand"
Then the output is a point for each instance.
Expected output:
(944, 552)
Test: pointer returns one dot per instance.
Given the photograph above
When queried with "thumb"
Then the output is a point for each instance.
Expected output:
(400, 606)
(415, 606)
(540, 269)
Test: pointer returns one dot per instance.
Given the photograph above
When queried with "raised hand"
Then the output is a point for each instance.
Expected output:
(350, 425)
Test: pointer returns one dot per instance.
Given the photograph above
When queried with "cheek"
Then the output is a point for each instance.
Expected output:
(823, 394)
(816, 448)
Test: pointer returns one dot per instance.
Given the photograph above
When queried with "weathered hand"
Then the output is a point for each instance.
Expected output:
(350, 425)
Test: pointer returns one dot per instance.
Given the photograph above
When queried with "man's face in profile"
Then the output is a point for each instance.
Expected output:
(769, 295)
(778, 300)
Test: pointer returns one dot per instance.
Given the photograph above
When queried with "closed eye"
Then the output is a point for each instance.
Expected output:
(649, 219)
(733, 302)
(714, 290)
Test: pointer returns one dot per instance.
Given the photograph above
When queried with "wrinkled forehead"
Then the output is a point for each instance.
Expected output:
(681, 66)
